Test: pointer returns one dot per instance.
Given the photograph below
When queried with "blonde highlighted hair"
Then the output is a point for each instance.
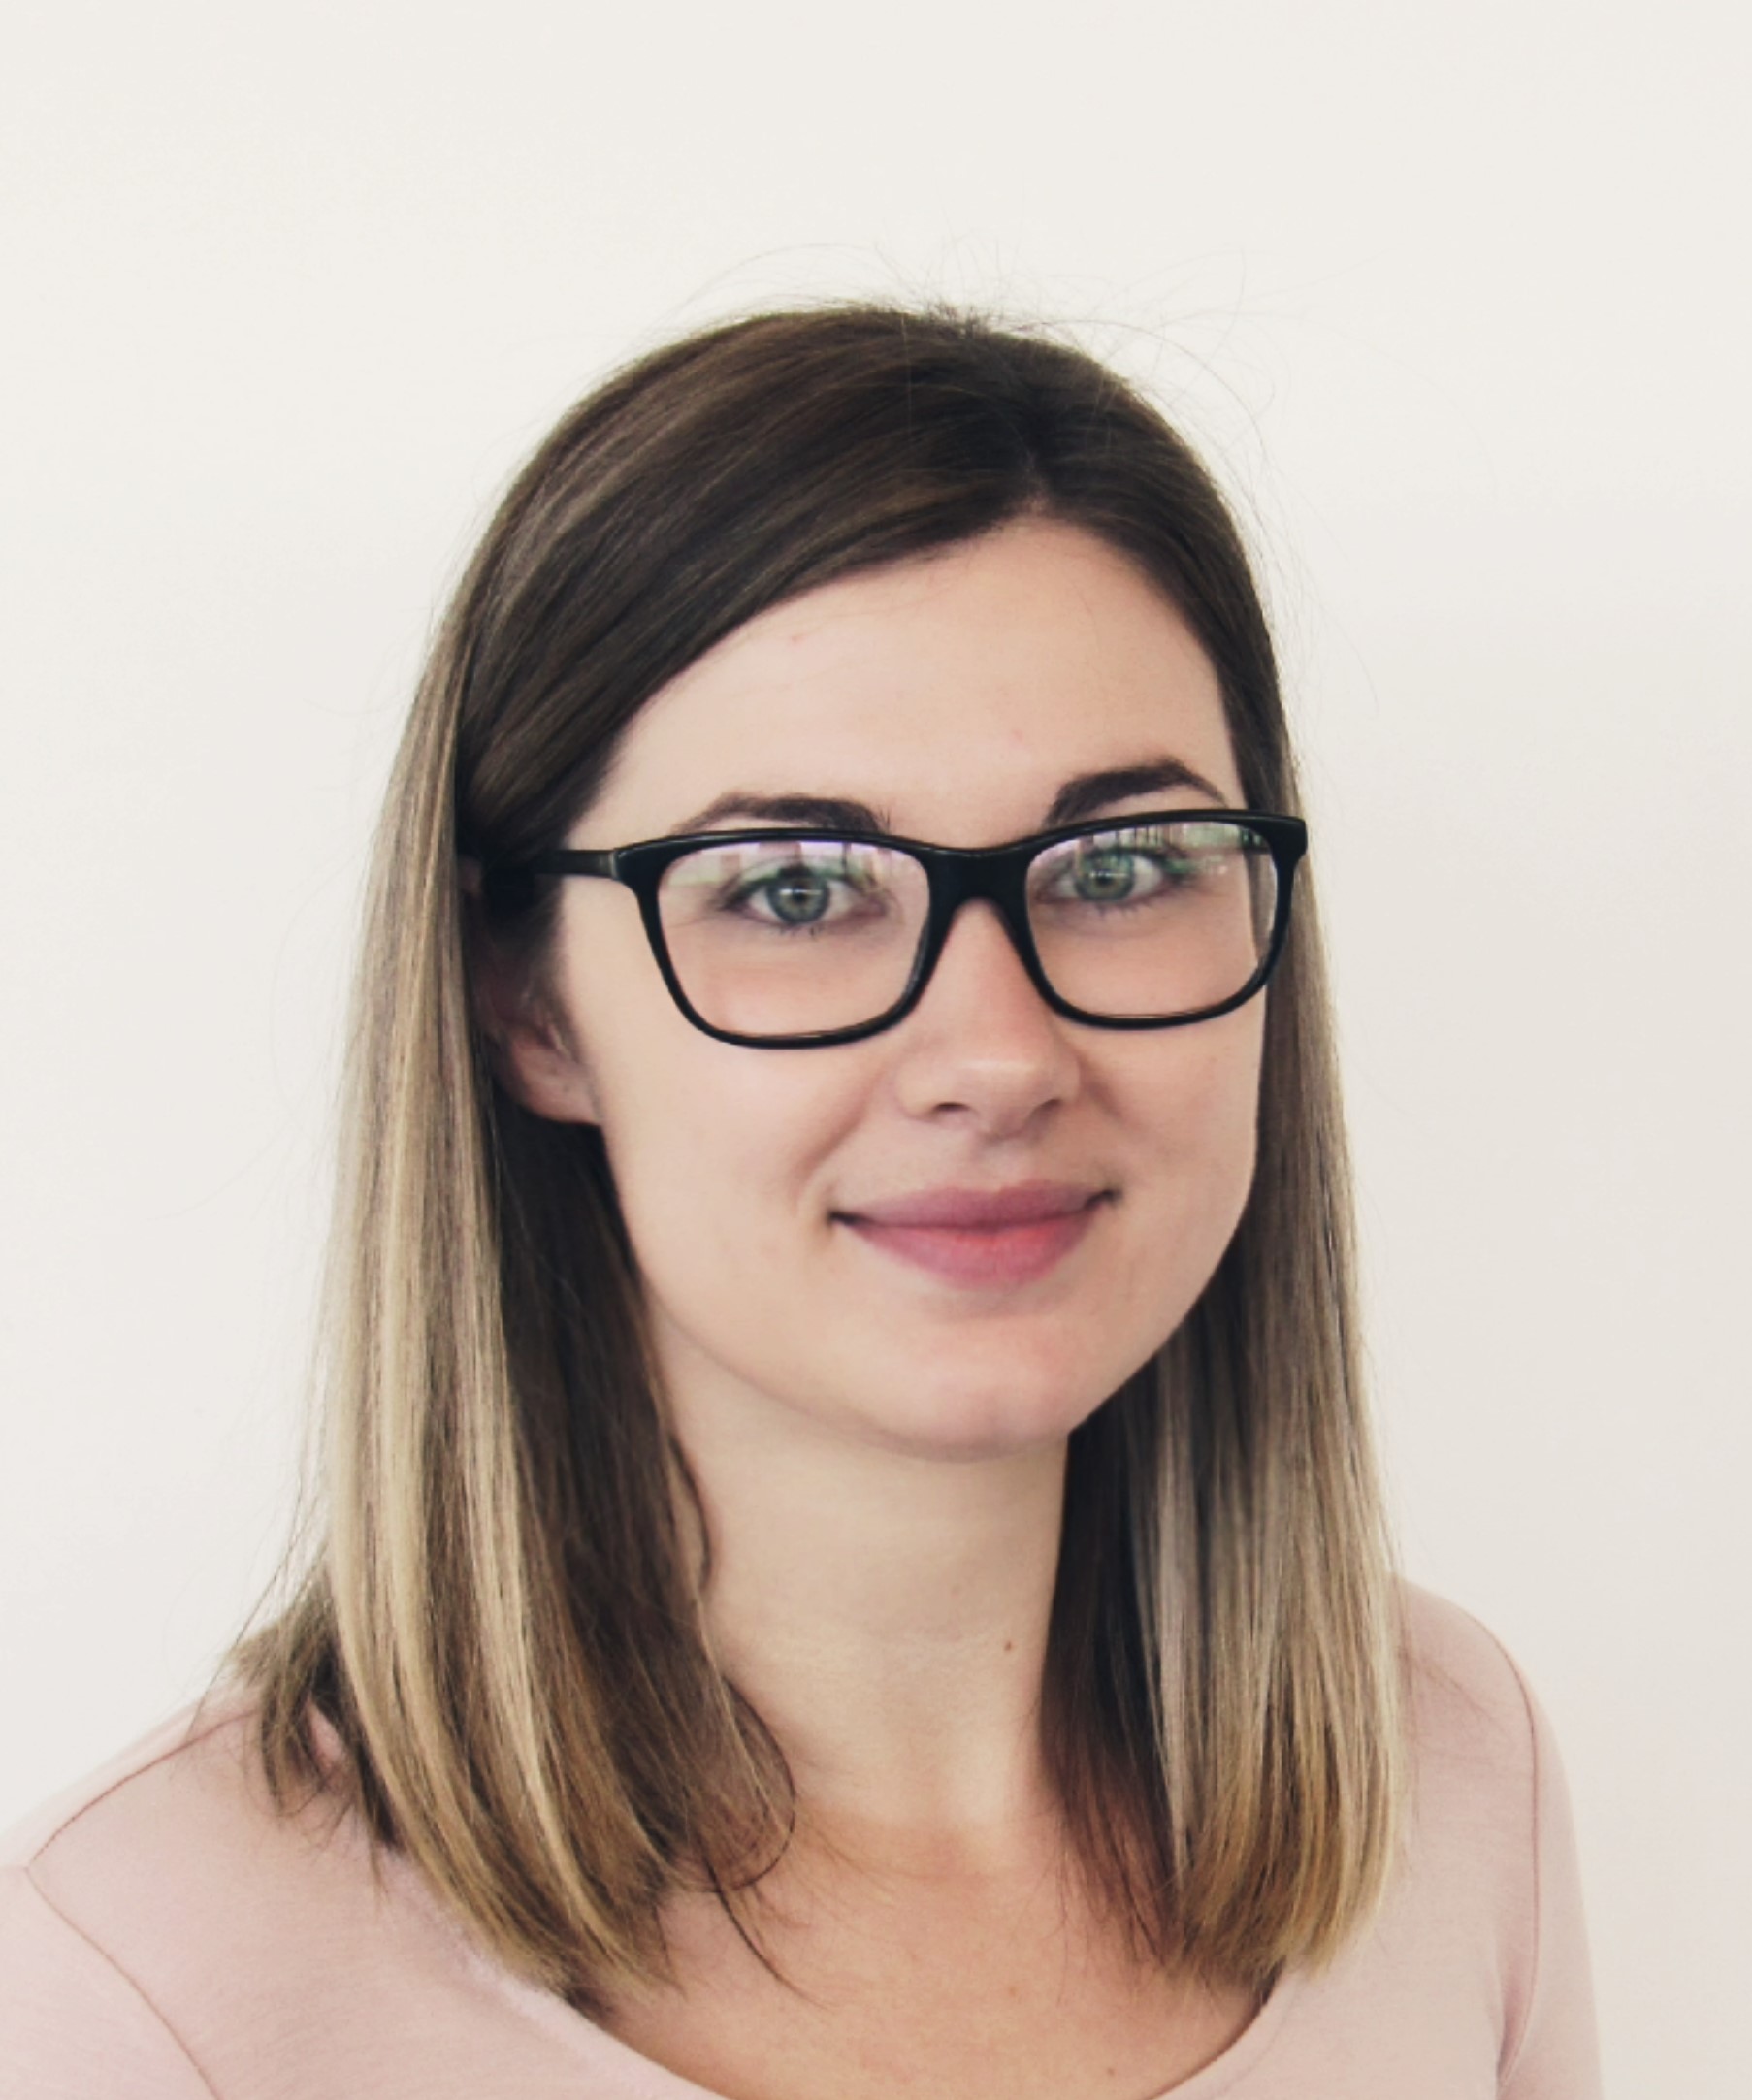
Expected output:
(502, 1616)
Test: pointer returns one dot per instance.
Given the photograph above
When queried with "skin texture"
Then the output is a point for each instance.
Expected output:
(880, 1450)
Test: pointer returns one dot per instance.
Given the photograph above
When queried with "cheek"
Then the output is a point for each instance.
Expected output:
(1194, 1119)
(716, 1154)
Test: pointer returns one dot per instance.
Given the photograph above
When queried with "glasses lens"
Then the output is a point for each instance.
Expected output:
(793, 936)
(1153, 921)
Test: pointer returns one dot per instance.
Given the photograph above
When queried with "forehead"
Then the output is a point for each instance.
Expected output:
(953, 694)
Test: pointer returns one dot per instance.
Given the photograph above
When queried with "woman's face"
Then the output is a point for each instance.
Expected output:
(954, 696)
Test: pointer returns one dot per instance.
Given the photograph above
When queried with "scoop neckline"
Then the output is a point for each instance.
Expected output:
(645, 2079)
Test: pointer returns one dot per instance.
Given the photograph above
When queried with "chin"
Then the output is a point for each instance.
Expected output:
(987, 1414)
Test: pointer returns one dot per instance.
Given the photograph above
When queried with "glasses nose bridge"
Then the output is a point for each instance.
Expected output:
(994, 875)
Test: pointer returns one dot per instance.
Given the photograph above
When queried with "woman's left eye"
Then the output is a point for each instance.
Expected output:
(1114, 874)
(1104, 877)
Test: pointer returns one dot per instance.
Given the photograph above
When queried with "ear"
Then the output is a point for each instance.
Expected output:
(533, 1056)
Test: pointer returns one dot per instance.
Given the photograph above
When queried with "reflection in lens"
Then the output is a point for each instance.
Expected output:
(1152, 920)
(793, 936)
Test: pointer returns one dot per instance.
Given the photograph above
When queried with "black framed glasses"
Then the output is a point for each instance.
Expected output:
(788, 939)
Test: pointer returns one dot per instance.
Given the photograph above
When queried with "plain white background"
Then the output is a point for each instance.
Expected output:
(1454, 295)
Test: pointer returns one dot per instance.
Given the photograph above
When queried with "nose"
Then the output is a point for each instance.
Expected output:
(982, 1046)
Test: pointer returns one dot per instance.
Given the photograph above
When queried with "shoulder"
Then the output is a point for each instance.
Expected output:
(1469, 1699)
(119, 1788)
(180, 1813)
(75, 2018)
(1485, 1757)
(168, 1931)
(1476, 1747)
(163, 1909)
(1490, 1887)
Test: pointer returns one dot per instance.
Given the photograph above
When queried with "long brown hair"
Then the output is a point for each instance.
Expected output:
(500, 1617)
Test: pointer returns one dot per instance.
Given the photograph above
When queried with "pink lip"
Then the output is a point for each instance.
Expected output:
(981, 1236)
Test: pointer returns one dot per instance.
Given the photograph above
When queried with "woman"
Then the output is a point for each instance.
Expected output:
(853, 1562)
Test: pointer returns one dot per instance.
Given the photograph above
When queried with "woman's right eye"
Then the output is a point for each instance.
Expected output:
(802, 895)
(795, 897)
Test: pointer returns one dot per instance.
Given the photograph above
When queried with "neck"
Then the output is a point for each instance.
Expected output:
(886, 1613)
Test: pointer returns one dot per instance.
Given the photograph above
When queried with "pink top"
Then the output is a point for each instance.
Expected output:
(164, 1935)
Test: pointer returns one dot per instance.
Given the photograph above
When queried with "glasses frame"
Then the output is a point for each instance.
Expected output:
(955, 875)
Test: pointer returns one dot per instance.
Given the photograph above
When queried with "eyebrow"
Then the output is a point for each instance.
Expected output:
(1087, 792)
(1083, 796)
(832, 812)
